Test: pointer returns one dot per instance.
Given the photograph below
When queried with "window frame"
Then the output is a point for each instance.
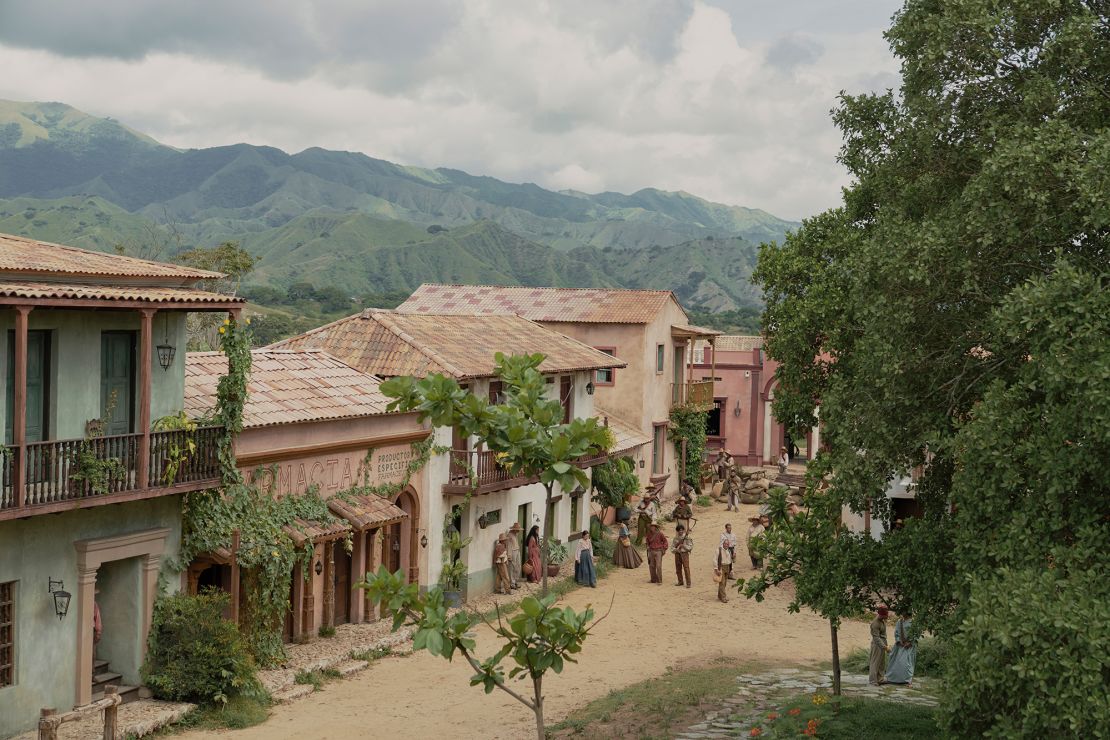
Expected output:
(8, 592)
(658, 460)
(598, 382)
(660, 359)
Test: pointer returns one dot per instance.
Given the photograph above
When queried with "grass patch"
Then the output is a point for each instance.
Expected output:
(371, 655)
(316, 679)
(704, 501)
(238, 713)
(850, 718)
(326, 630)
(656, 708)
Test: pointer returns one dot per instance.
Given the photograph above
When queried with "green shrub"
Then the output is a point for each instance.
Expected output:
(309, 678)
(603, 547)
(196, 655)
(326, 630)
(1031, 656)
(704, 501)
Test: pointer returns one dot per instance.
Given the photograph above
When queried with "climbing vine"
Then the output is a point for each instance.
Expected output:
(688, 423)
(267, 553)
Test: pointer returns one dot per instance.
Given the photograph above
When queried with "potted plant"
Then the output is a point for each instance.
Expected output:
(453, 575)
(556, 553)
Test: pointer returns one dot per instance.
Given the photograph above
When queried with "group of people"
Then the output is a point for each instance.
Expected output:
(891, 663)
(509, 566)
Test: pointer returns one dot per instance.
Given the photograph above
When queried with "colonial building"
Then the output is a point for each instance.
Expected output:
(93, 354)
(647, 330)
(386, 344)
(313, 422)
(741, 420)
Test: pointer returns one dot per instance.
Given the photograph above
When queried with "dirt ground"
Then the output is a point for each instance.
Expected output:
(650, 628)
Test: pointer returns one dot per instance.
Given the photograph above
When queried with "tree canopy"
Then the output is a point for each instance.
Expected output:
(948, 316)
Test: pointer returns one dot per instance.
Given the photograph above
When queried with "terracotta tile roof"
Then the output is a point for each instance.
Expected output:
(155, 294)
(305, 530)
(366, 512)
(691, 330)
(571, 305)
(22, 255)
(388, 343)
(738, 343)
(627, 436)
(286, 387)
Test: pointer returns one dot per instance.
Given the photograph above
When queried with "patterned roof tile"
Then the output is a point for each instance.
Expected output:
(388, 343)
(19, 254)
(569, 305)
(286, 387)
(626, 436)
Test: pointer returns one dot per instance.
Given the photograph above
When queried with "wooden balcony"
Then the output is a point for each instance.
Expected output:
(489, 475)
(63, 474)
(695, 393)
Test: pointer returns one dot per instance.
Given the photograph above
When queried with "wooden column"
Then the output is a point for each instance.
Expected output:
(151, 565)
(19, 405)
(358, 573)
(328, 618)
(372, 563)
(86, 596)
(145, 359)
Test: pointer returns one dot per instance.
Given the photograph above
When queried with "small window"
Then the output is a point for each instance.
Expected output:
(660, 358)
(492, 517)
(607, 375)
(7, 634)
(699, 355)
(575, 524)
(658, 443)
(714, 422)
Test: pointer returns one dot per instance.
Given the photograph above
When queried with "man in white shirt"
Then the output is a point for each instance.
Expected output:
(722, 565)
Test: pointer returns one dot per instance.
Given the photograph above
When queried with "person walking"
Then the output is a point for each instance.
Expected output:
(584, 573)
(722, 572)
(755, 529)
(512, 542)
(681, 546)
(532, 542)
(501, 564)
(784, 460)
(879, 649)
(728, 539)
(657, 545)
(624, 554)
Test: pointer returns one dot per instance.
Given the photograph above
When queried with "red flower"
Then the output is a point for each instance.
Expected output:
(756, 732)
(794, 712)
(772, 716)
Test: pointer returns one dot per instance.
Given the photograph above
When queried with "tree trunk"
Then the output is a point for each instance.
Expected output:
(537, 684)
(543, 556)
(835, 658)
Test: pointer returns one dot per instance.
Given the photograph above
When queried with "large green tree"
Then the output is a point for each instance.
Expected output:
(943, 317)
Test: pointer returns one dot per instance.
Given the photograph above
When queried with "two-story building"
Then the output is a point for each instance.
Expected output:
(647, 330)
(389, 344)
(313, 422)
(92, 355)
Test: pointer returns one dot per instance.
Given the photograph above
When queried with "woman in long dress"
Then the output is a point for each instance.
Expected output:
(624, 554)
(584, 573)
(532, 543)
(903, 655)
(877, 659)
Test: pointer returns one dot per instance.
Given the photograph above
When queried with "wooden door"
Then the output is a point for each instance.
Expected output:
(38, 386)
(117, 381)
(341, 578)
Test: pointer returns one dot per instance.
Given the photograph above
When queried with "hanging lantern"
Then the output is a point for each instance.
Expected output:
(590, 388)
(61, 597)
(166, 351)
(319, 567)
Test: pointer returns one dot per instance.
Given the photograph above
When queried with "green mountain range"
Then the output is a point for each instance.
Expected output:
(361, 224)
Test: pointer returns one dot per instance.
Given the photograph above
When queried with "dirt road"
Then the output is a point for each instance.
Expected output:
(651, 627)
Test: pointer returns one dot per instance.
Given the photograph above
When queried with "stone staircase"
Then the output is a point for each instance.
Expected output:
(103, 675)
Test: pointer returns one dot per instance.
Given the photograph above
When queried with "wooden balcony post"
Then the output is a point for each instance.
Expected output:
(145, 360)
(19, 405)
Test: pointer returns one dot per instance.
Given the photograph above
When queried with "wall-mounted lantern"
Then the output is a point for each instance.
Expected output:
(319, 567)
(423, 540)
(166, 351)
(61, 597)
(736, 411)
(590, 388)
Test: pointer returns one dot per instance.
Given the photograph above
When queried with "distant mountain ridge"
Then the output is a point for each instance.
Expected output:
(355, 221)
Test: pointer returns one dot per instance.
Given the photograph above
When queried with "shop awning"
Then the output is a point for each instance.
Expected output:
(303, 530)
(366, 512)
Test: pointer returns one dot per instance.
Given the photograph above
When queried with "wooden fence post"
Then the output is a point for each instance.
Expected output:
(111, 711)
(48, 728)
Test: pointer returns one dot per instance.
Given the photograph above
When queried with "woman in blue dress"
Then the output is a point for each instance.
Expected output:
(584, 573)
(903, 655)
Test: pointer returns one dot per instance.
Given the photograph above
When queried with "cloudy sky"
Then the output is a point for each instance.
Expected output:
(726, 99)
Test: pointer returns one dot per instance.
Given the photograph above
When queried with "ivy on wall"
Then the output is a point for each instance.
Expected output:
(688, 422)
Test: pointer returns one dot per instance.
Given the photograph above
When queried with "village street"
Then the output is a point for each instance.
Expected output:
(651, 628)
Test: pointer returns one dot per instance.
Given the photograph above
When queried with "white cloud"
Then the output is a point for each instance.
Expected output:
(525, 91)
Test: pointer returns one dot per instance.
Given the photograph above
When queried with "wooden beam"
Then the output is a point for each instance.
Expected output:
(106, 499)
(19, 405)
(122, 305)
(248, 459)
(146, 319)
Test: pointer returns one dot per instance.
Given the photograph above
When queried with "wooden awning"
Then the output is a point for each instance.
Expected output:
(304, 530)
(366, 512)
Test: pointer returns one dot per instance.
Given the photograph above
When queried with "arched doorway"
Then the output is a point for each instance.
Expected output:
(775, 436)
(401, 538)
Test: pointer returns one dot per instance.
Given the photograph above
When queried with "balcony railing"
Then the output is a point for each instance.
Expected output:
(77, 470)
(698, 393)
(489, 475)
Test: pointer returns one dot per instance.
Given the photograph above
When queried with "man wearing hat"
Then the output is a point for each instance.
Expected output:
(681, 546)
(656, 546)
(755, 529)
(501, 565)
(877, 662)
(647, 513)
(512, 543)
